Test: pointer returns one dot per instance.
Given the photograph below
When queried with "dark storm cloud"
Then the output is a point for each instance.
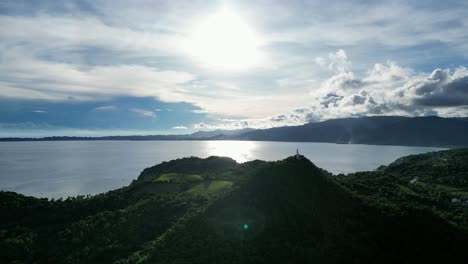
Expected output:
(440, 89)
(330, 100)
(279, 118)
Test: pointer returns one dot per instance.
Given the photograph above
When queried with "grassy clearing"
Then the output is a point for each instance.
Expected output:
(447, 188)
(178, 178)
(211, 187)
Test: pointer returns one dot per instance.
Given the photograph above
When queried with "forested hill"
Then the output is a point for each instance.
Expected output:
(215, 210)
(378, 130)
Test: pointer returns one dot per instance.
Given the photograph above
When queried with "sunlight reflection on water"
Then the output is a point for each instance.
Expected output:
(60, 169)
(241, 151)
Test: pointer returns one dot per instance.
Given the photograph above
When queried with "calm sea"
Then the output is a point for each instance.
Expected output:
(61, 169)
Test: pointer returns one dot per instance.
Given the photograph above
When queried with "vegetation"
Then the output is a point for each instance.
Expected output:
(214, 210)
(434, 181)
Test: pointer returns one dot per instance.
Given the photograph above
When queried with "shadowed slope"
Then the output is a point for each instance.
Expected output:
(291, 212)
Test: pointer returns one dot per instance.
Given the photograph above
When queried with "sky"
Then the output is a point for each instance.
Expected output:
(90, 68)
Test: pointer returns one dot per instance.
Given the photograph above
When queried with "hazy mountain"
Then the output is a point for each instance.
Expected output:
(385, 130)
(379, 130)
(218, 133)
(200, 135)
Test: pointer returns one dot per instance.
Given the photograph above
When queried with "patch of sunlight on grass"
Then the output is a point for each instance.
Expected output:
(178, 178)
(211, 187)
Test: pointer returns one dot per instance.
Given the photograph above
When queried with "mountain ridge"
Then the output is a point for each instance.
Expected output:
(378, 130)
(374, 130)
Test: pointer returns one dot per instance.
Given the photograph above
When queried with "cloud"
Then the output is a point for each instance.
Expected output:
(143, 112)
(385, 89)
(225, 124)
(393, 89)
(336, 62)
(384, 23)
(343, 78)
(341, 81)
(47, 32)
(439, 89)
(62, 57)
(39, 111)
(288, 119)
(180, 127)
(115, 49)
(389, 72)
(22, 76)
(105, 108)
(329, 100)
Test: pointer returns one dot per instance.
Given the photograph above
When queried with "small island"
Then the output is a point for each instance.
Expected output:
(215, 210)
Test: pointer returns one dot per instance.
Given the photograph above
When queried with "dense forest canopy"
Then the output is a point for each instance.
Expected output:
(215, 210)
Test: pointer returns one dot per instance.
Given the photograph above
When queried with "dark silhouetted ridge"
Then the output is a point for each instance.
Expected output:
(215, 210)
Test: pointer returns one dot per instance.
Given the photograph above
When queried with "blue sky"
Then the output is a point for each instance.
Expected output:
(165, 67)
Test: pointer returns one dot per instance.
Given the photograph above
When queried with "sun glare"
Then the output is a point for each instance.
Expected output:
(224, 41)
(241, 151)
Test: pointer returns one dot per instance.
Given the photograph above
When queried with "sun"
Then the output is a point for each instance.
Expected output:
(224, 41)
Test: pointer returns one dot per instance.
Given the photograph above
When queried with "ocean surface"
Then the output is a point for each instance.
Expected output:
(61, 169)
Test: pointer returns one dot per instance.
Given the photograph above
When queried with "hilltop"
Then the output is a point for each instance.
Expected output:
(215, 210)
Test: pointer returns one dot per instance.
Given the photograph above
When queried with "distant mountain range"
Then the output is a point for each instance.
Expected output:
(378, 130)
(200, 135)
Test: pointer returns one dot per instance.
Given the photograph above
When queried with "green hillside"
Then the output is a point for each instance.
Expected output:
(436, 181)
(214, 210)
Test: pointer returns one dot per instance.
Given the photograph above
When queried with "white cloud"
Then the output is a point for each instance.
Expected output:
(45, 56)
(389, 89)
(46, 32)
(21, 74)
(180, 127)
(389, 72)
(386, 89)
(143, 112)
(199, 111)
(341, 81)
(337, 62)
(105, 108)
(386, 24)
